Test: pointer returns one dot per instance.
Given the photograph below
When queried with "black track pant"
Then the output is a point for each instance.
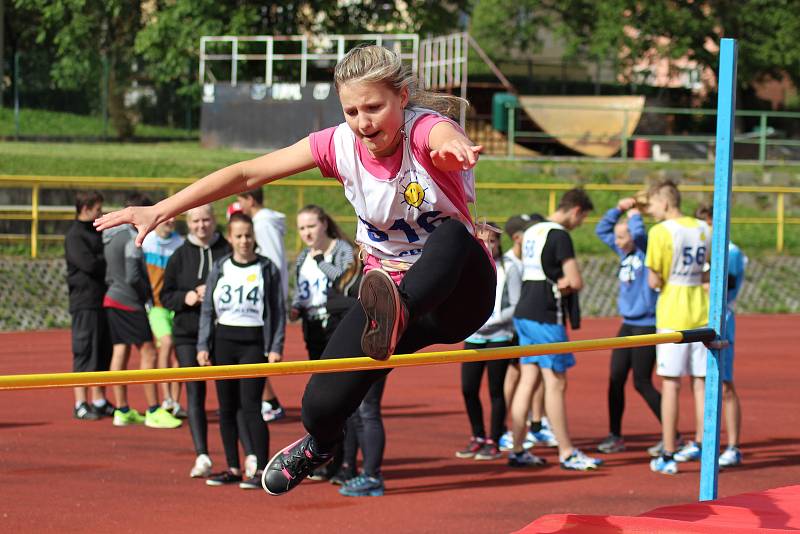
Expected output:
(450, 294)
(471, 374)
(641, 360)
(196, 405)
(240, 399)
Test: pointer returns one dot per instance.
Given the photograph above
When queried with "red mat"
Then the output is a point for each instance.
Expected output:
(775, 510)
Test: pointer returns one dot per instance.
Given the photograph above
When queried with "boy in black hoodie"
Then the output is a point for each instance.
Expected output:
(86, 273)
(183, 291)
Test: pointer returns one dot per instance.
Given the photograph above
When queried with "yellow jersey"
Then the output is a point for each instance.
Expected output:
(677, 249)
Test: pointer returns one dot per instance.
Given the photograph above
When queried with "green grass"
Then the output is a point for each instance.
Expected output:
(52, 123)
(186, 159)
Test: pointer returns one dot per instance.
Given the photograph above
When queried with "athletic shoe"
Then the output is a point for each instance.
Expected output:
(320, 474)
(268, 413)
(225, 478)
(253, 482)
(106, 410)
(730, 457)
(656, 450)
(525, 459)
(363, 486)
(472, 448)
(342, 477)
(291, 465)
(131, 417)
(577, 461)
(543, 437)
(611, 444)
(690, 452)
(178, 411)
(506, 442)
(161, 418)
(664, 466)
(250, 465)
(84, 412)
(202, 467)
(387, 315)
(489, 451)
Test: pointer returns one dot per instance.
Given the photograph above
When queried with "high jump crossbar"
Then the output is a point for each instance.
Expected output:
(222, 372)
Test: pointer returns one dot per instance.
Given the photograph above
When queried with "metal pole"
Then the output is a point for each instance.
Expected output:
(510, 132)
(762, 139)
(718, 300)
(781, 216)
(624, 136)
(106, 73)
(17, 81)
(35, 221)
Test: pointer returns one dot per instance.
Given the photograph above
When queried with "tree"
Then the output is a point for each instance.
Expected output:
(86, 35)
(633, 31)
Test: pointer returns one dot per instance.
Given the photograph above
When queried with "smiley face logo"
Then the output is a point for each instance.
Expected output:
(414, 194)
(413, 191)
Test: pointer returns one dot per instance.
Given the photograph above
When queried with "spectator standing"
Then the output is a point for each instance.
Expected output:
(126, 303)
(157, 249)
(270, 229)
(636, 303)
(677, 250)
(737, 262)
(497, 332)
(551, 280)
(86, 273)
(183, 292)
(243, 313)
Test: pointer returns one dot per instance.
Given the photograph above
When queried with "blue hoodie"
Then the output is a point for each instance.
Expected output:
(636, 301)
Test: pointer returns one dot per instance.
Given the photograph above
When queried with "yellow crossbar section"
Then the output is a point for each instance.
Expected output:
(188, 374)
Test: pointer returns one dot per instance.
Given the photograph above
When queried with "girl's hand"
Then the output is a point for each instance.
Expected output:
(144, 218)
(274, 357)
(456, 155)
(203, 358)
(294, 314)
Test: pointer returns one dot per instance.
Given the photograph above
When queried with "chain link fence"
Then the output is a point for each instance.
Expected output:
(35, 291)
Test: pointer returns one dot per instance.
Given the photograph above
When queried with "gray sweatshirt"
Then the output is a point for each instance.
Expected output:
(270, 229)
(126, 273)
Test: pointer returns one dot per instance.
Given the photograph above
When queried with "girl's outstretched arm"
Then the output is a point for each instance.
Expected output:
(230, 180)
(451, 150)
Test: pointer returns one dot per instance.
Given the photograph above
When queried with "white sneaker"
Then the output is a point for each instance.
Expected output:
(202, 467)
(250, 466)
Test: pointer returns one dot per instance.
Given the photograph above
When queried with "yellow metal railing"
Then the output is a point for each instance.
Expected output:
(35, 212)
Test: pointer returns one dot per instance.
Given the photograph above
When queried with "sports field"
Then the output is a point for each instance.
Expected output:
(62, 475)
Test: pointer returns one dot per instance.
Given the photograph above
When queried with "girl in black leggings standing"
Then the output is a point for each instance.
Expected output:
(497, 332)
(406, 170)
(243, 313)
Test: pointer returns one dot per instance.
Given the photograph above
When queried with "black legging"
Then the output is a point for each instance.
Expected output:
(240, 399)
(471, 374)
(195, 399)
(642, 360)
(449, 292)
(369, 429)
(196, 405)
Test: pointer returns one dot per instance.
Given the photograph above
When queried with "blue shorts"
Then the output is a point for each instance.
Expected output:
(533, 333)
(727, 352)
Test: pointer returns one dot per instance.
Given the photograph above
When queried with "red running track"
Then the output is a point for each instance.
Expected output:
(62, 475)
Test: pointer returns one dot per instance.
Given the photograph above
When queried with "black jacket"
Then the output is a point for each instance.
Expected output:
(86, 266)
(274, 329)
(187, 268)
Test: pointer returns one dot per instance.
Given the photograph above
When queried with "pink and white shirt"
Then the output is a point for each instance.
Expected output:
(401, 198)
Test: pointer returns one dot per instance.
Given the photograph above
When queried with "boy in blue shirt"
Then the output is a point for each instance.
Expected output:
(737, 262)
(636, 303)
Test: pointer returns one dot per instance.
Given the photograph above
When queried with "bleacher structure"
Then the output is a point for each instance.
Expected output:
(268, 91)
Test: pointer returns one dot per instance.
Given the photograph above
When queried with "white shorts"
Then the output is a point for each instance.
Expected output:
(680, 359)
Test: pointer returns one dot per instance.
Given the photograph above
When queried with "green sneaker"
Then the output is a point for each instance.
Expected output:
(161, 418)
(131, 417)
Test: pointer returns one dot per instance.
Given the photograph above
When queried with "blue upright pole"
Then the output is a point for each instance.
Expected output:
(718, 301)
